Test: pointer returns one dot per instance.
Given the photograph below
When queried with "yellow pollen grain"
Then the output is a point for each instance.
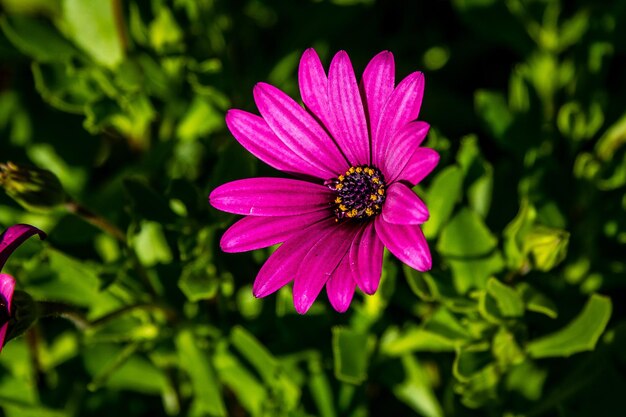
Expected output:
(381, 191)
(373, 197)
(369, 211)
(370, 171)
(375, 180)
(343, 207)
(376, 206)
(354, 212)
(351, 170)
(341, 178)
(338, 200)
(359, 170)
(338, 186)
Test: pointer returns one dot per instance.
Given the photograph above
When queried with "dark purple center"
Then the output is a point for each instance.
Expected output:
(360, 193)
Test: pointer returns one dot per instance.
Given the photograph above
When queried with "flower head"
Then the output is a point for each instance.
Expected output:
(356, 152)
(13, 237)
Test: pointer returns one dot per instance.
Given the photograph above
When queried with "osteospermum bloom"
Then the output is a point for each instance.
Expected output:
(13, 237)
(356, 152)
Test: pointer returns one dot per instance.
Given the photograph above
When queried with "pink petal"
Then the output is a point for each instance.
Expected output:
(281, 267)
(421, 163)
(319, 263)
(7, 286)
(378, 82)
(406, 242)
(340, 286)
(314, 87)
(252, 233)
(345, 99)
(253, 133)
(402, 107)
(403, 206)
(401, 146)
(366, 259)
(13, 237)
(298, 130)
(270, 197)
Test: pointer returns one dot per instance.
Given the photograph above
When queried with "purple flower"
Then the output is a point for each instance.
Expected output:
(13, 237)
(356, 153)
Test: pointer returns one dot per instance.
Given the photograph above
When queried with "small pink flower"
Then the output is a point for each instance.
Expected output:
(356, 153)
(13, 237)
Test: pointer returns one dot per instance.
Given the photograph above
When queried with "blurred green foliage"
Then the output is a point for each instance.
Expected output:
(124, 101)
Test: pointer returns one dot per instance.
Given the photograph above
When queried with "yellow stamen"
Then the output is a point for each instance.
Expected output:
(359, 170)
(381, 191)
(343, 207)
(351, 170)
(341, 178)
(375, 180)
(337, 200)
(373, 197)
(369, 211)
(354, 212)
(338, 186)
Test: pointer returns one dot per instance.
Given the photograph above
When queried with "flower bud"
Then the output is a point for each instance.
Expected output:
(33, 188)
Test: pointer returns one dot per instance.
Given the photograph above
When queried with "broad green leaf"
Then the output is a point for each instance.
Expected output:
(249, 391)
(321, 390)
(14, 408)
(37, 38)
(151, 244)
(98, 28)
(201, 119)
(164, 32)
(65, 88)
(351, 352)
(255, 353)
(196, 363)
(199, 280)
(466, 236)
(509, 302)
(415, 339)
(441, 197)
(416, 390)
(579, 335)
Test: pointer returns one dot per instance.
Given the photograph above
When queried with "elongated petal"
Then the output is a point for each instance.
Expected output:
(314, 87)
(298, 130)
(378, 83)
(402, 107)
(346, 101)
(406, 242)
(319, 263)
(13, 237)
(421, 163)
(340, 286)
(282, 266)
(252, 233)
(270, 197)
(366, 259)
(402, 146)
(7, 286)
(254, 134)
(403, 206)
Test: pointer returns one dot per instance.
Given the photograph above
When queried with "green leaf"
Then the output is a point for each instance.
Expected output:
(416, 390)
(415, 339)
(509, 302)
(321, 390)
(547, 245)
(196, 363)
(350, 350)
(466, 236)
(505, 349)
(37, 38)
(580, 335)
(257, 354)
(441, 197)
(536, 301)
(249, 391)
(514, 234)
(151, 244)
(492, 108)
(94, 27)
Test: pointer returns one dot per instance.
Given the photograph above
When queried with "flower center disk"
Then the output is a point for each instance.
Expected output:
(360, 193)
